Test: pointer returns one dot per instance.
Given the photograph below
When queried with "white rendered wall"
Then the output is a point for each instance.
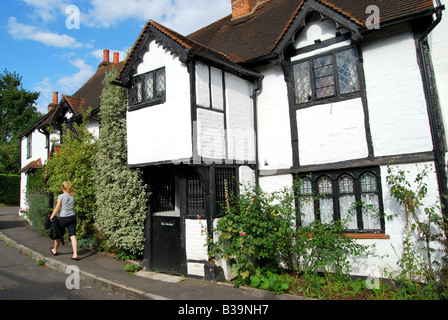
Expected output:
(162, 132)
(39, 150)
(240, 119)
(195, 245)
(397, 107)
(274, 129)
(332, 132)
(211, 134)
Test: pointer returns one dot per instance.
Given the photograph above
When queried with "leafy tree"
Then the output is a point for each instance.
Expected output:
(17, 114)
(74, 163)
(121, 195)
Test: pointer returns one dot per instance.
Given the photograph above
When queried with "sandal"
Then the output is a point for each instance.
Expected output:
(51, 250)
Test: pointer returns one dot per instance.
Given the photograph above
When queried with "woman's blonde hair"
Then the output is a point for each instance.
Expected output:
(67, 186)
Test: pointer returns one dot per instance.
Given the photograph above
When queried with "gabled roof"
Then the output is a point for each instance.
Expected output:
(274, 21)
(36, 164)
(183, 46)
(88, 96)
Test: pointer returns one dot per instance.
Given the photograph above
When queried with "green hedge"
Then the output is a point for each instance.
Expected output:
(10, 189)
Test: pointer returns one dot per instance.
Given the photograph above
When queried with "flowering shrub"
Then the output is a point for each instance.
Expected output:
(261, 232)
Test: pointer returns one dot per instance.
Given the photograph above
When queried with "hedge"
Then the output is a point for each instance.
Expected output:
(10, 189)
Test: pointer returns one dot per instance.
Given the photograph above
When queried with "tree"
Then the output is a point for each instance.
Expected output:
(74, 163)
(120, 193)
(17, 114)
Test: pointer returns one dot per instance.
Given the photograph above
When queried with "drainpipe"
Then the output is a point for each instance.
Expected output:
(423, 48)
(255, 92)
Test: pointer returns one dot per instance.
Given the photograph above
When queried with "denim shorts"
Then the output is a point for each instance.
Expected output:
(69, 223)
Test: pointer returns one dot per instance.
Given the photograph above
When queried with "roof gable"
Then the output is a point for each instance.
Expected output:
(274, 24)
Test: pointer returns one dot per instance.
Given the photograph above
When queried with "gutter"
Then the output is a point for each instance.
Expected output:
(439, 152)
(255, 92)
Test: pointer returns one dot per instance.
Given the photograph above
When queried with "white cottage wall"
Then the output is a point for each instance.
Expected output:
(162, 132)
(396, 101)
(274, 129)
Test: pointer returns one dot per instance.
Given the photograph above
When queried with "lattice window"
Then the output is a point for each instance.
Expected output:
(347, 71)
(326, 76)
(195, 195)
(163, 194)
(149, 87)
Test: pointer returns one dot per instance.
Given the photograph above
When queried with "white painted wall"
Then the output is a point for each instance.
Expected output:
(39, 150)
(274, 129)
(397, 107)
(332, 132)
(211, 134)
(162, 132)
(195, 245)
(240, 119)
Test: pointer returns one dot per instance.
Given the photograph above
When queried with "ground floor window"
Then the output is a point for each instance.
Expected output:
(225, 185)
(352, 196)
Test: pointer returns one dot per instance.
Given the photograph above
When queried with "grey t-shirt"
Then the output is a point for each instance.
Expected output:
(67, 205)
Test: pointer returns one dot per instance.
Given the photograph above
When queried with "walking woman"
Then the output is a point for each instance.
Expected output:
(67, 218)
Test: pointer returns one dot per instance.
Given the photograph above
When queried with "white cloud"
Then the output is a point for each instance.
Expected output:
(47, 10)
(180, 15)
(28, 32)
(66, 84)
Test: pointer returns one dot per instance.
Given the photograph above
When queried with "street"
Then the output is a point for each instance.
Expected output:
(21, 278)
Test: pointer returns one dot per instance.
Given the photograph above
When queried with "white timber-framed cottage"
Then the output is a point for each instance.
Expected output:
(280, 89)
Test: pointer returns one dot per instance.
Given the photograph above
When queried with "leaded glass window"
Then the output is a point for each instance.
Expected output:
(149, 87)
(370, 199)
(346, 201)
(325, 187)
(306, 202)
(327, 76)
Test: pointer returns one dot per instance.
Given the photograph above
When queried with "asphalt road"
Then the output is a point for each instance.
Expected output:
(22, 279)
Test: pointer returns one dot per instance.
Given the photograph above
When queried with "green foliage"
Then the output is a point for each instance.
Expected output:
(120, 193)
(416, 263)
(74, 163)
(9, 189)
(260, 230)
(17, 114)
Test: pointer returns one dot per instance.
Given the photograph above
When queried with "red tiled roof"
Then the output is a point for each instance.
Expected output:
(36, 164)
(258, 34)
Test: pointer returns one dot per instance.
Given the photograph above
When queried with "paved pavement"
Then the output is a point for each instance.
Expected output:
(104, 271)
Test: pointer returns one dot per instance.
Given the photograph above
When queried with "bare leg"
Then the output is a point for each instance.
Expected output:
(74, 247)
(56, 245)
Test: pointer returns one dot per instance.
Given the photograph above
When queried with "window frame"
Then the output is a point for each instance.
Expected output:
(146, 103)
(29, 146)
(338, 96)
(335, 176)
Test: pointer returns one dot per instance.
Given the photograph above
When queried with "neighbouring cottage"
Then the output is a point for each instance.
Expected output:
(281, 89)
(44, 137)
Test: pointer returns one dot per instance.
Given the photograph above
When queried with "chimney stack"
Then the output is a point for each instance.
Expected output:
(54, 103)
(116, 57)
(105, 55)
(241, 8)
(55, 97)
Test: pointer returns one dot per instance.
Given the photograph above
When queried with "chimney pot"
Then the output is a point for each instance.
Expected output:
(116, 57)
(55, 97)
(105, 55)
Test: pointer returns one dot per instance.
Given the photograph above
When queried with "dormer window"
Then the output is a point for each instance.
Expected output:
(148, 89)
(330, 76)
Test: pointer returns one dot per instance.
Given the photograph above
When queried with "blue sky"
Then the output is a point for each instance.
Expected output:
(41, 42)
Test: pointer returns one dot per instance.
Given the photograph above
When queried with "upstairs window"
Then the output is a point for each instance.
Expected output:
(148, 89)
(328, 76)
(29, 146)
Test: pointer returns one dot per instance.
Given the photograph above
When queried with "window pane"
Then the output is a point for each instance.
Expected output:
(225, 185)
(306, 202)
(325, 186)
(163, 195)
(137, 89)
(368, 183)
(347, 71)
(324, 77)
(348, 214)
(326, 210)
(148, 88)
(302, 80)
(160, 83)
(346, 184)
(370, 213)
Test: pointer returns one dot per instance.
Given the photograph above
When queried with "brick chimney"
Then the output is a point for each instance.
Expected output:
(241, 8)
(116, 57)
(54, 103)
